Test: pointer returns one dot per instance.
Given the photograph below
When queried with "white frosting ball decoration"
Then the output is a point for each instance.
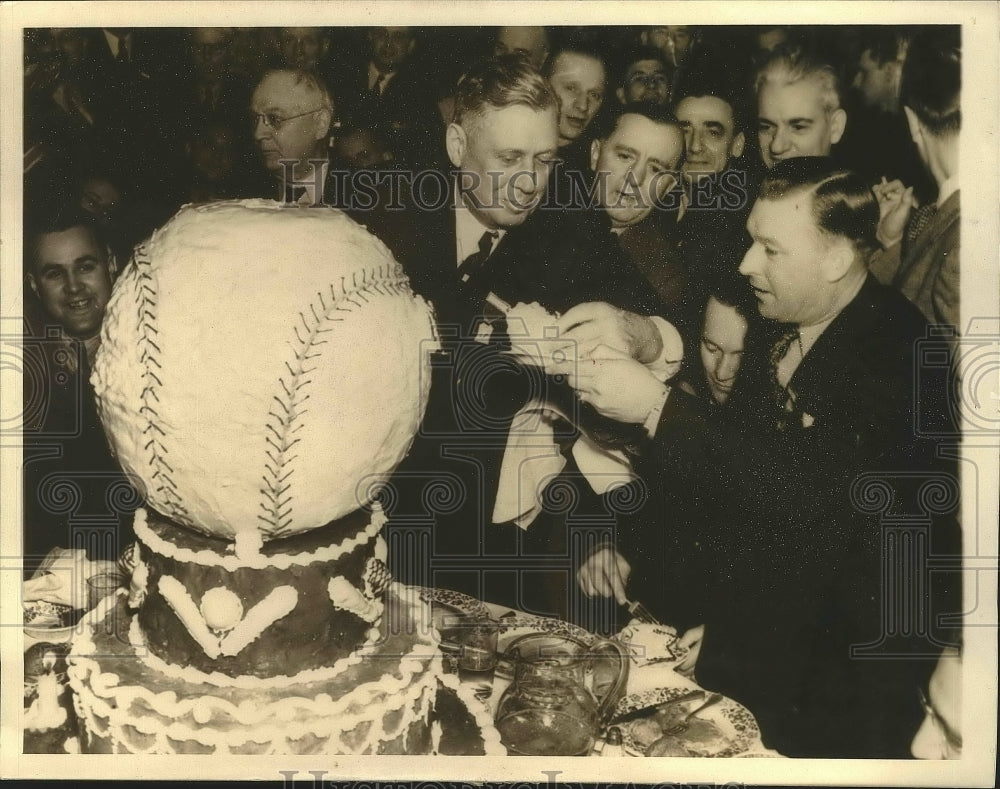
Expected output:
(257, 363)
(221, 609)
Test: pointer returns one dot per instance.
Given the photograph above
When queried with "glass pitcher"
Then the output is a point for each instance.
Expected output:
(563, 689)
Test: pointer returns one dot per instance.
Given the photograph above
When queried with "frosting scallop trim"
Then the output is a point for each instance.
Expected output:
(248, 682)
(105, 685)
(492, 745)
(209, 558)
(413, 696)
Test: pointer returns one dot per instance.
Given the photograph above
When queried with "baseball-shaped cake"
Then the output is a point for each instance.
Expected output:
(261, 368)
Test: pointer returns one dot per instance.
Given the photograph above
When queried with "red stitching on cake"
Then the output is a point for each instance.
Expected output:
(287, 405)
(149, 351)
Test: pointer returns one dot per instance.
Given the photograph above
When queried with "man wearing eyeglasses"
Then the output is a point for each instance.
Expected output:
(292, 112)
(646, 77)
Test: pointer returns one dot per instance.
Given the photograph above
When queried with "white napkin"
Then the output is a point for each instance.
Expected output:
(532, 460)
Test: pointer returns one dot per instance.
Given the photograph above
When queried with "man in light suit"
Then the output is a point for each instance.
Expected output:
(773, 545)
(924, 262)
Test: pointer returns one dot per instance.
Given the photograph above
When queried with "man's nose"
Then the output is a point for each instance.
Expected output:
(726, 368)
(260, 129)
(697, 142)
(640, 171)
(781, 142)
(750, 263)
(74, 283)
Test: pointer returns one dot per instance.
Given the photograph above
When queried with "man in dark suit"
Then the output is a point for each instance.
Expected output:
(923, 262)
(75, 494)
(635, 165)
(780, 553)
(391, 80)
(486, 236)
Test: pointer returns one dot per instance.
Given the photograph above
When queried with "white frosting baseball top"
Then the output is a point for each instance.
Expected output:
(262, 368)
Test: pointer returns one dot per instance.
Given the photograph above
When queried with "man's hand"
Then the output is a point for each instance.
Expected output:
(617, 386)
(692, 640)
(894, 204)
(593, 324)
(605, 574)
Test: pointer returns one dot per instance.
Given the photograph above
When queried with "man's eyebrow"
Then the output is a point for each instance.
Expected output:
(806, 121)
(622, 147)
(657, 160)
(87, 258)
(715, 125)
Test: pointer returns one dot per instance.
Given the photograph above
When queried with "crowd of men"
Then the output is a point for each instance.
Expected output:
(741, 237)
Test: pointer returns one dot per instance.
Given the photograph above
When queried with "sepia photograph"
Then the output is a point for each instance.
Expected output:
(390, 391)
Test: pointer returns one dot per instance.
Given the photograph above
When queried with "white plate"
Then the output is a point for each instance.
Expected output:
(652, 644)
(737, 724)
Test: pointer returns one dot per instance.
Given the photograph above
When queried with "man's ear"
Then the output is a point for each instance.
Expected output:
(838, 122)
(455, 142)
(736, 146)
(324, 120)
(595, 154)
(620, 93)
(32, 282)
(838, 260)
(914, 123)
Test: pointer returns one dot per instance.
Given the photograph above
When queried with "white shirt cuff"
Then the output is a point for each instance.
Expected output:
(668, 363)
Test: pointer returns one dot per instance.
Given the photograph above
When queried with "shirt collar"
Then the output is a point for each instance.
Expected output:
(373, 76)
(114, 41)
(947, 189)
(468, 231)
(309, 198)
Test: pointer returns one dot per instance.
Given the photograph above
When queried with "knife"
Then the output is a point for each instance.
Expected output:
(643, 711)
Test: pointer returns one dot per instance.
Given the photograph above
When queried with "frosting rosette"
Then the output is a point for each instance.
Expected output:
(262, 367)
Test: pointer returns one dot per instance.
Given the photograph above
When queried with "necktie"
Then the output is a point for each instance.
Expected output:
(379, 84)
(778, 351)
(475, 261)
(122, 56)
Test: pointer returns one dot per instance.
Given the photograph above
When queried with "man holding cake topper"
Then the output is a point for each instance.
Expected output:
(492, 239)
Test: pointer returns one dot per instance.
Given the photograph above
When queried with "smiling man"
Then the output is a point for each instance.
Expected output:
(490, 235)
(789, 560)
(798, 106)
(69, 274)
(578, 78)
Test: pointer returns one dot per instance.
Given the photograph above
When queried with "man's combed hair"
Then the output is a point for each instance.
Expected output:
(842, 201)
(709, 81)
(500, 82)
(793, 62)
(310, 81)
(65, 217)
(657, 113)
(575, 47)
(932, 79)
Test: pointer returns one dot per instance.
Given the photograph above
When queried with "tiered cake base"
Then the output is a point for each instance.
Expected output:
(381, 701)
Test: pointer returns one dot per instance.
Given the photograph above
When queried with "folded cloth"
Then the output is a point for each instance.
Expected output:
(532, 460)
(62, 577)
